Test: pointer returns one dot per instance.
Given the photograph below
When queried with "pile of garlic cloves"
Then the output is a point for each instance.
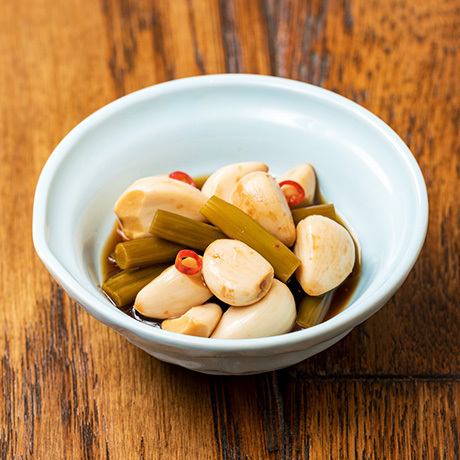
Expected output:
(229, 290)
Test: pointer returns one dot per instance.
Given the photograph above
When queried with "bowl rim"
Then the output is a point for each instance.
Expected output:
(345, 320)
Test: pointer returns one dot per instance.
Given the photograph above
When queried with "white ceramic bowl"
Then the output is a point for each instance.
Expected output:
(198, 124)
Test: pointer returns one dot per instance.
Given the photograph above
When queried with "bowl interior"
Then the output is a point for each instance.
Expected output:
(200, 127)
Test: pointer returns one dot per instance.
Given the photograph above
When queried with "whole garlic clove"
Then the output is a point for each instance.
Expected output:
(198, 321)
(305, 176)
(171, 294)
(327, 253)
(273, 315)
(222, 182)
(139, 202)
(235, 273)
(259, 196)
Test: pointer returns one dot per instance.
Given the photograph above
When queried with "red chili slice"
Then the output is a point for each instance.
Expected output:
(183, 177)
(293, 192)
(184, 254)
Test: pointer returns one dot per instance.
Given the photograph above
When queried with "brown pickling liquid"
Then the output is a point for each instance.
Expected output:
(340, 299)
(108, 265)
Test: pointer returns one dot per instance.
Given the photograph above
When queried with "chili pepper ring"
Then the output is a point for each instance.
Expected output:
(185, 269)
(294, 197)
(183, 177)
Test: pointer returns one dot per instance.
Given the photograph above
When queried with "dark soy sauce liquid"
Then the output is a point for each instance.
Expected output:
(108, 265)
(340, 299)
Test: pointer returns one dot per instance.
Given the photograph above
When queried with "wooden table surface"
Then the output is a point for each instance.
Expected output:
(72, 388)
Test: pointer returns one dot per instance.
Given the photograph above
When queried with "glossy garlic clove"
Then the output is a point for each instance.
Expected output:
(259, 196)
(273, 315)
(198, 321)
(139, 202)
(171, 294)
(327, 253)
(222, 182)
(305, 176)
(236, 273)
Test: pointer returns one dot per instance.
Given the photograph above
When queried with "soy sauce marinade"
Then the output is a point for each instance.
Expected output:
(340, 298)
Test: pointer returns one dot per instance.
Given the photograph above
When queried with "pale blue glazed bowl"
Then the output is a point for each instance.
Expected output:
(198, 124)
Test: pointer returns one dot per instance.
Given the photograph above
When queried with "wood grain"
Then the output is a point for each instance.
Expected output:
(71, 388)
